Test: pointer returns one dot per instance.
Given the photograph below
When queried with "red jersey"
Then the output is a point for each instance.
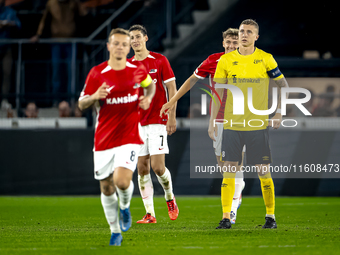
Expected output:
(160, 71)
(208, 68)
(118, 113)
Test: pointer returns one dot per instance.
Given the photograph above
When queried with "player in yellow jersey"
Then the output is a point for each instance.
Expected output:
(248, 69)
(207, 68)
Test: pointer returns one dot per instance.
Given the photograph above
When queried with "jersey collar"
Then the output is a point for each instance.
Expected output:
(149, 56)
(246, 55)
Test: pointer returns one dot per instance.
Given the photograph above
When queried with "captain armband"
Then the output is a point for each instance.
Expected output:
(275, 73)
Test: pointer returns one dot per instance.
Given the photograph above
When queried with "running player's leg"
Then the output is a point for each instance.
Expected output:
(103, 167)
(158, 147)
(109, 202)
(125, 164)
(123, 181)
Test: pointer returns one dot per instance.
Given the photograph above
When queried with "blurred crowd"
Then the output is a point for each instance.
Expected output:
(32, 111)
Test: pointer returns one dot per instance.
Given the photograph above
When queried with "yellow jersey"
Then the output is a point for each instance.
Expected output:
(250, 71)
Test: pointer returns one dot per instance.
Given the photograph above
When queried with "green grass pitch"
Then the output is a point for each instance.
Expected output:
(76, 225)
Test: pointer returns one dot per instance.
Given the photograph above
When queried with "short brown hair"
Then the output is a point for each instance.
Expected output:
(232, 32)
(118, 31)
(251, 22)
(140, 28)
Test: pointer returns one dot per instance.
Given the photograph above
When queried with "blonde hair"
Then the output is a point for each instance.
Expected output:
(232, 32)
(118, 31)
(251, 22)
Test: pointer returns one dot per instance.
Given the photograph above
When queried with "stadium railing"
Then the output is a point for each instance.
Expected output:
(43, 123)
(22, 94)
(90, 40)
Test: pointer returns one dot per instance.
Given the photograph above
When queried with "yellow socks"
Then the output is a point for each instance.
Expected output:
(268, 193)
(227, 191)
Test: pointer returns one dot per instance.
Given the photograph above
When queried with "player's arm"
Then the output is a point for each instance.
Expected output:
(281, 82)
(150, 89)
(277, 118)
(186, 86)
(171, 124)
(86, 102)
(212, 130)
(220, 77)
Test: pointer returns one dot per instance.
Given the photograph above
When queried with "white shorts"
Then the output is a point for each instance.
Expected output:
(218, 143)
(155, 140)
(105, 162)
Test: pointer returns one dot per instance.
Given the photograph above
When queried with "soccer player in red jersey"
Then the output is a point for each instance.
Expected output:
(154, 129)
(207, 69)
(113, 88)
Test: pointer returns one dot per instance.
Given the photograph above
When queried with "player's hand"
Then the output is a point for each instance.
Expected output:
(144, 102)
(101, 92)
(171, 126)
(166, 108)
(275, 122)
(212, 131)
